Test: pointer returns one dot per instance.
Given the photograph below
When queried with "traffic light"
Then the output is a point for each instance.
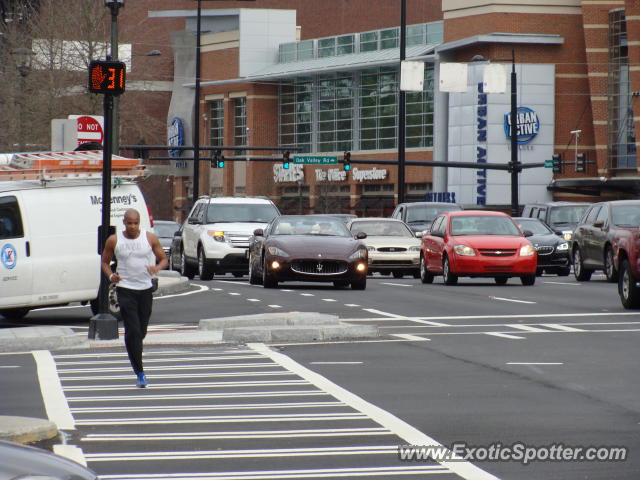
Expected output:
(581, 162)
(286, 162)
(346, 162)
(556, 160)
(218, 159)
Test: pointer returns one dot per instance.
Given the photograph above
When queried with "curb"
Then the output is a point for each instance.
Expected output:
(37, 338)
(26, 429)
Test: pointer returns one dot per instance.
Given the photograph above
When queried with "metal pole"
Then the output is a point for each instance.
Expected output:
(104, 326)
(115, 139)
(196, 111)
(401, 104)
(514, 166)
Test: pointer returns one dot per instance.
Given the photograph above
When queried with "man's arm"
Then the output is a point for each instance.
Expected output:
(107, 256)
(158, 251)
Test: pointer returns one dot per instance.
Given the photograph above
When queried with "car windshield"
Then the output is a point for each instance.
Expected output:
(483, 225)
(534, 226)
(566, 214)
(240, 212)
(325, 226)
(426, 213)
(165, 229)
(381, 228)
(626, 215)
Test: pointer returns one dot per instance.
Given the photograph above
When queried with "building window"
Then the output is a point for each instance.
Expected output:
(327, 47)
(335, 113)
(346, 44)
(419, 114)
(390, 38)
(378, 108)
(296, 100)
(216, 122)
(621, 145)
(369, 41)
(240, 121)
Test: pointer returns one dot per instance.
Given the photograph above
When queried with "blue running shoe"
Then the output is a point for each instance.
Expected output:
(142, 380)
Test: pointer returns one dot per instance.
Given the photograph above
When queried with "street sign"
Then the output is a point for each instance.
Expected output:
(314, 160)
(548, 163)
(89, 129)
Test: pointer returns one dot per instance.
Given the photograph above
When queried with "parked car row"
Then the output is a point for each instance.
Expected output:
(422, 239)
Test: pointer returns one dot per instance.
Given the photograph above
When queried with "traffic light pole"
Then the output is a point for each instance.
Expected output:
(514, 167)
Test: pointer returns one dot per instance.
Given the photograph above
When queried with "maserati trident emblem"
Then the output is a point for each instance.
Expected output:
(319, 267)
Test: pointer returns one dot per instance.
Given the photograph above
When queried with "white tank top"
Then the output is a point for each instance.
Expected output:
(133, 256)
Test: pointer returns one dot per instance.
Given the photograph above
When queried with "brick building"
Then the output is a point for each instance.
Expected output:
(321, 78)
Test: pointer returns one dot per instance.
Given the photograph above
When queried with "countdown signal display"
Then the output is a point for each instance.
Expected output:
(107, 77)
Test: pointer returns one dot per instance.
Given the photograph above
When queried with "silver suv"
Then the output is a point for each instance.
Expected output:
(215, 237)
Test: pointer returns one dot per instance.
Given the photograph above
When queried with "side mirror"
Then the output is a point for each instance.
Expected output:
(361, 235)
(258, 232)
(527, 233)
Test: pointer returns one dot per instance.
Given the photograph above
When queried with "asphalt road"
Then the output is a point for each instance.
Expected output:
(475, 363)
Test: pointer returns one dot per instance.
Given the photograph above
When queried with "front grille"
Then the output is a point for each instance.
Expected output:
(391, 249)
(544, 249)
(495, 252)
(319, 267)
(238, 240)
(391, 262)
(498, 269)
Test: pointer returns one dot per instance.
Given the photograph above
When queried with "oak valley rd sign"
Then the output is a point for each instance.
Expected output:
(314, 160)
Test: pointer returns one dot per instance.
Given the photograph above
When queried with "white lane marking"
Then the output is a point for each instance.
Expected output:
(201, 288)
(288, 474)
(336, 363)
(291, 417)
(274, 306)
(156, 376)
(385, 419)
(393, 317)
(527, 328)
(234, 293)
(351, 305)
(564, 283)
(55, 403)
(232, 282)
(285, 290)
(412, 338)
(150, 359)
(71, 452)
(563, 328)
(166, 368)
(10, 366)
(253, 300)
(502, 299)
(385, 314)
(504, 335)
(328, 300)
(325, 432)
(216, 289)
(248, 453)
(197, 396)
(195, 408)
(307, 294)
(533, 315)
(535, 363)
(184, 386)
(396, 284)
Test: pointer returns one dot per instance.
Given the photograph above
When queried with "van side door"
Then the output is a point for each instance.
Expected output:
(16, 268)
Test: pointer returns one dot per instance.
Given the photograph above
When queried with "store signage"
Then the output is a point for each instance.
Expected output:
(443, 197)
(175, 136)
(528, 124)
(331, 175)
(360, 175)
(295, 173)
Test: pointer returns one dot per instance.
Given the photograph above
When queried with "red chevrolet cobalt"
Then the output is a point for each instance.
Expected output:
(480, 243)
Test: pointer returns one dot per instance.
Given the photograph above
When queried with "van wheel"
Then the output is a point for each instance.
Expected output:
(204, 271)
(14, 313)
(627, 289)
(582, 274)
(187, 270)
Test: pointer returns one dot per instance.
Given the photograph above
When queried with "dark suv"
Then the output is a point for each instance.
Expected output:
(605, 239)
(420, 215)
(562, 217)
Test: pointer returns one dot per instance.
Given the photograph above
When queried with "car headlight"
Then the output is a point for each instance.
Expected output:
(563, 246)
(464, 250)
(360, 253)
(217, 235)
(277, 252)
(414, 249)
(527, 251)
(371, 248)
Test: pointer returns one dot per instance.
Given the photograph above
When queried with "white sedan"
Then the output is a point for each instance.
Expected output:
(393, 246)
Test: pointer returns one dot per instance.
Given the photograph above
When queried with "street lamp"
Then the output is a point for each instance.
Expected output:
(115, 6)
(23, 58)
(514, 165)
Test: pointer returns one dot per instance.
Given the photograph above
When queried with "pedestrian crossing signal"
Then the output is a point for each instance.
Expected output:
(346, 162)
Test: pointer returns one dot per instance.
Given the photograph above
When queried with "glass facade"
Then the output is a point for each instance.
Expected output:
(621, 146)
(353, 111)
(216, 122)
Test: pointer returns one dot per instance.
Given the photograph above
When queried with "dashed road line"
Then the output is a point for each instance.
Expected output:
(502, 299)
(412, 338)
(396, 284)
(504, 335)
(535, 363)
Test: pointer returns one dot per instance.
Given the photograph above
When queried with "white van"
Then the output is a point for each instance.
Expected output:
(49, 240)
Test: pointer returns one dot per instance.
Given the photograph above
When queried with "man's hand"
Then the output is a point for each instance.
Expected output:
(153, 269)
(114, 278)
